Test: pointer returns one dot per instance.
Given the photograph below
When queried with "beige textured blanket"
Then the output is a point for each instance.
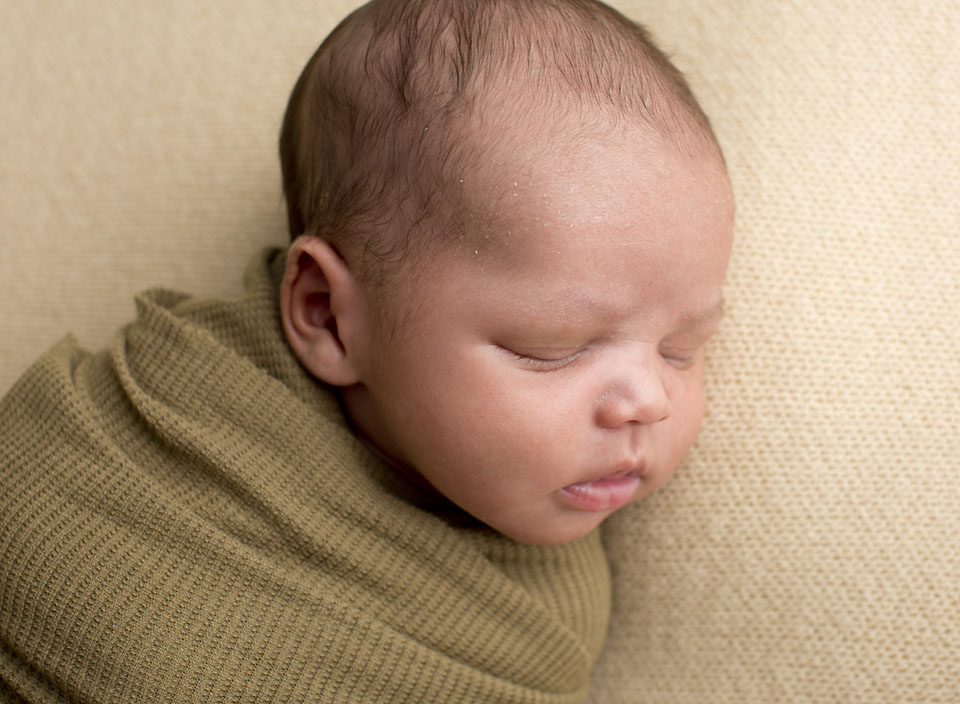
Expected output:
(809, 550)
(187, 518)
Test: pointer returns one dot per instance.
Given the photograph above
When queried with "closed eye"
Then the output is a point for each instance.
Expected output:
(541, 363)
(681, 359)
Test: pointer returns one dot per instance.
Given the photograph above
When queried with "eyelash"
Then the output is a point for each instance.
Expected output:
(541, 364)
(678, 361)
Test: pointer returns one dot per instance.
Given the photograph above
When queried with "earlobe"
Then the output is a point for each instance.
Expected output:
(321, 310)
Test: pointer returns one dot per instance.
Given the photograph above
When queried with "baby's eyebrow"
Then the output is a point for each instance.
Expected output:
(710, 315)
(575, 303)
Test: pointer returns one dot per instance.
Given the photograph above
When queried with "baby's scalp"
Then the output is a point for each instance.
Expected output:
(404, 101)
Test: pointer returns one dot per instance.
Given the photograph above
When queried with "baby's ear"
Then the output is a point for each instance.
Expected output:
(322, 312)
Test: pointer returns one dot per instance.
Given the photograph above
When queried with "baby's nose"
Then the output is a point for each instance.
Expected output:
(637, 395)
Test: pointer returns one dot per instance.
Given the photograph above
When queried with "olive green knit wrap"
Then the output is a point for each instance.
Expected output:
(187, 518)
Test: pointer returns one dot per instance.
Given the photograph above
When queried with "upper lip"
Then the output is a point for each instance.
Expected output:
(627, 468)
(634, 466)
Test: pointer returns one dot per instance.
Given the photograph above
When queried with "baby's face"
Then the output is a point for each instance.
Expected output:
(553, 376)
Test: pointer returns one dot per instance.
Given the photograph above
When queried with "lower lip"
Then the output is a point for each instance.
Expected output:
(607, 494)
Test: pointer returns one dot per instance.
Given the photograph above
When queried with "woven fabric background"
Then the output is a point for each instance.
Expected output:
(809, 549)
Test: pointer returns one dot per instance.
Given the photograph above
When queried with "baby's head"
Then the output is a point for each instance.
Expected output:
(512, 223)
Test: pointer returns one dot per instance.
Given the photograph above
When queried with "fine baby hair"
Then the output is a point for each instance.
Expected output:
(393, 112)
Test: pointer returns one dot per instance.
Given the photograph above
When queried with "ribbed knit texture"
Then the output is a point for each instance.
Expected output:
(187, 518)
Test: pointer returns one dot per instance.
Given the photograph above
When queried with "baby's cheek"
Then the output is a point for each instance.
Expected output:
(687, 413)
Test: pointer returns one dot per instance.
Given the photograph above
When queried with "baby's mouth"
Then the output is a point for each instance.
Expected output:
(604, 494)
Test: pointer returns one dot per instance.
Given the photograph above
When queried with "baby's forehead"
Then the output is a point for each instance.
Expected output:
(566, 172)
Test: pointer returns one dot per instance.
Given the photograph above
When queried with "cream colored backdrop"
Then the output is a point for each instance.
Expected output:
(809, 550)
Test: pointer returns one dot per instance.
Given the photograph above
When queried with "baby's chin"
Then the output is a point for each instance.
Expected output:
(557, 531)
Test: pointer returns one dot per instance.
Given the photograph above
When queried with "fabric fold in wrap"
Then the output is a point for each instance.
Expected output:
(187, 517)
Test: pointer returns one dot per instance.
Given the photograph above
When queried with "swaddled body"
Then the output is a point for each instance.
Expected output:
(188, 517)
